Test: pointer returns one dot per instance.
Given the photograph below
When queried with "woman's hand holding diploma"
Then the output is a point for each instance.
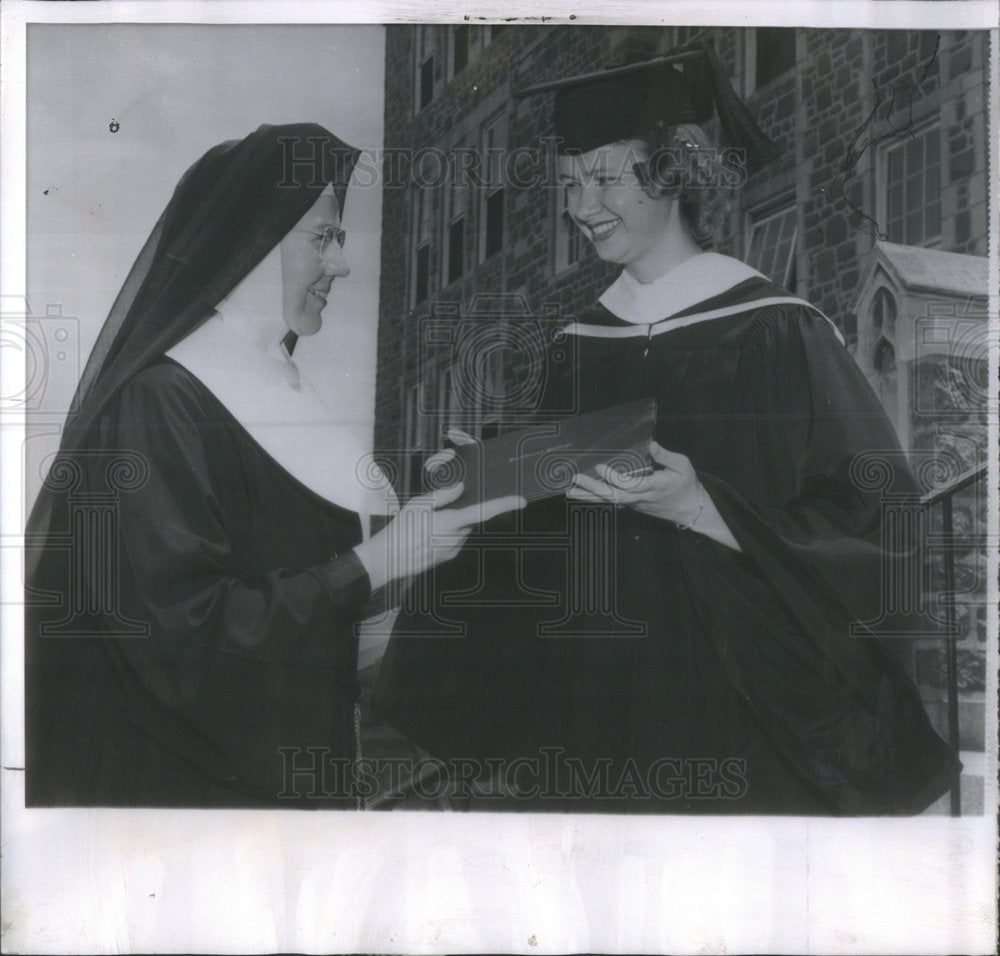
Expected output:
(671, 492)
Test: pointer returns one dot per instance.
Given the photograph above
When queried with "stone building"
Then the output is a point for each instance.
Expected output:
(885, 147)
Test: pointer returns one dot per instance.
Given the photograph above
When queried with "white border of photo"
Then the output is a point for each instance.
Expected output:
(103, 881)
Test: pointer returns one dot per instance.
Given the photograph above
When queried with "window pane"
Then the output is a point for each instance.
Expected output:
(426, 81)
(574, 246)
(775, 52)
(461, 38)
(456, 249)
(772, 245)
(770, 252)
(894, 190)
(932, 219)
(912, 189)
(494, 222)
(423, 273)
(932, 152)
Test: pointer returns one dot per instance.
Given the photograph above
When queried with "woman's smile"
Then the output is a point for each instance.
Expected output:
(602, 229)
(309, 263)
(611, 207)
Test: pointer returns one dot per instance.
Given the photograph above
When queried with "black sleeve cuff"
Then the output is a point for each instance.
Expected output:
(345, 580)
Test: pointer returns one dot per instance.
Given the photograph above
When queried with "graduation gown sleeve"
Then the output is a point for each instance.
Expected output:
(809, 519)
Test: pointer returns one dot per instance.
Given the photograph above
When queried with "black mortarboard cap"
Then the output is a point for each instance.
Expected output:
(685, 86)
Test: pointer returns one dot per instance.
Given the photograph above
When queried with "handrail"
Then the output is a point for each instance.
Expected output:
(944, 496)
(963, 481)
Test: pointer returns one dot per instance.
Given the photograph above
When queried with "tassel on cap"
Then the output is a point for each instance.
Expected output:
(738, 126)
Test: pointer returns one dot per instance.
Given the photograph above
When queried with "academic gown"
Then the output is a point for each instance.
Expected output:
(245, 582)
(699, 679)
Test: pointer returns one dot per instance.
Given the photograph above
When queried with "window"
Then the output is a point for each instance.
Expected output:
(457, 213)
(569, 239)
(425, 66)
(423, 274)
(456, 249)
(460, 49)
(771, 245)
(493, 230)
(423, 234)
(884, 355)
(770, 53)
(911, 188)
(467, 42)
(415, 439)
(491, 221)
(430, 405)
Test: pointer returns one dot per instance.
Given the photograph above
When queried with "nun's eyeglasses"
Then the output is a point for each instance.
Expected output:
(327, 237)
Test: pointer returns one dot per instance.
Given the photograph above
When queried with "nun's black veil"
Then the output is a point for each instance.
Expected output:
(227, 213)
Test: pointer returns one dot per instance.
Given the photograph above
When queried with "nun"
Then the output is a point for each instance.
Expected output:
(727, 662)
(202, 548)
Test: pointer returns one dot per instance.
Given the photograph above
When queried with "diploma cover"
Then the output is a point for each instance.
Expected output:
(541, 460)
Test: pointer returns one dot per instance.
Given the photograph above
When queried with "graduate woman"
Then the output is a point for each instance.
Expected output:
(727, 678)
(201, 547)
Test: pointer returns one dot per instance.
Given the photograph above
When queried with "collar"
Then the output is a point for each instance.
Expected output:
(285, 415)
(698, 279)
(706, 286)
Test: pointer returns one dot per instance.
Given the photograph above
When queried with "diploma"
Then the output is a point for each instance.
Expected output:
(541, 460)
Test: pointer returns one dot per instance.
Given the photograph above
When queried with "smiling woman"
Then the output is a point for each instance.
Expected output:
(203, 544)
(616, 211)
(311, 258)
(700, 638)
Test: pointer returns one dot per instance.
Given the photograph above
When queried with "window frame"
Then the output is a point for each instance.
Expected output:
(497, 122)
(568, 237)
(758, 217)
(424, 50)
(476, 37)
(882, 185)
(456, 195)
(751, 66)
(422, 235)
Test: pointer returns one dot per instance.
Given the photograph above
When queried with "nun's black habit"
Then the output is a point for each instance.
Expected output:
(189, 635)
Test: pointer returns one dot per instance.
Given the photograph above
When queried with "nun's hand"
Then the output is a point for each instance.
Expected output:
(426, 533)
(672, 492)
(441, 458)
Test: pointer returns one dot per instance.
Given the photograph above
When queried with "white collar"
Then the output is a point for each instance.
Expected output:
(697, 279)
(285, 415)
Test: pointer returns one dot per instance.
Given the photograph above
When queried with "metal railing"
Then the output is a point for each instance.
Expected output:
(945, 497)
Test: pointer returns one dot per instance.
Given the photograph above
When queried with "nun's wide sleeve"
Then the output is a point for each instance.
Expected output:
(239, 661)
(177, 543)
